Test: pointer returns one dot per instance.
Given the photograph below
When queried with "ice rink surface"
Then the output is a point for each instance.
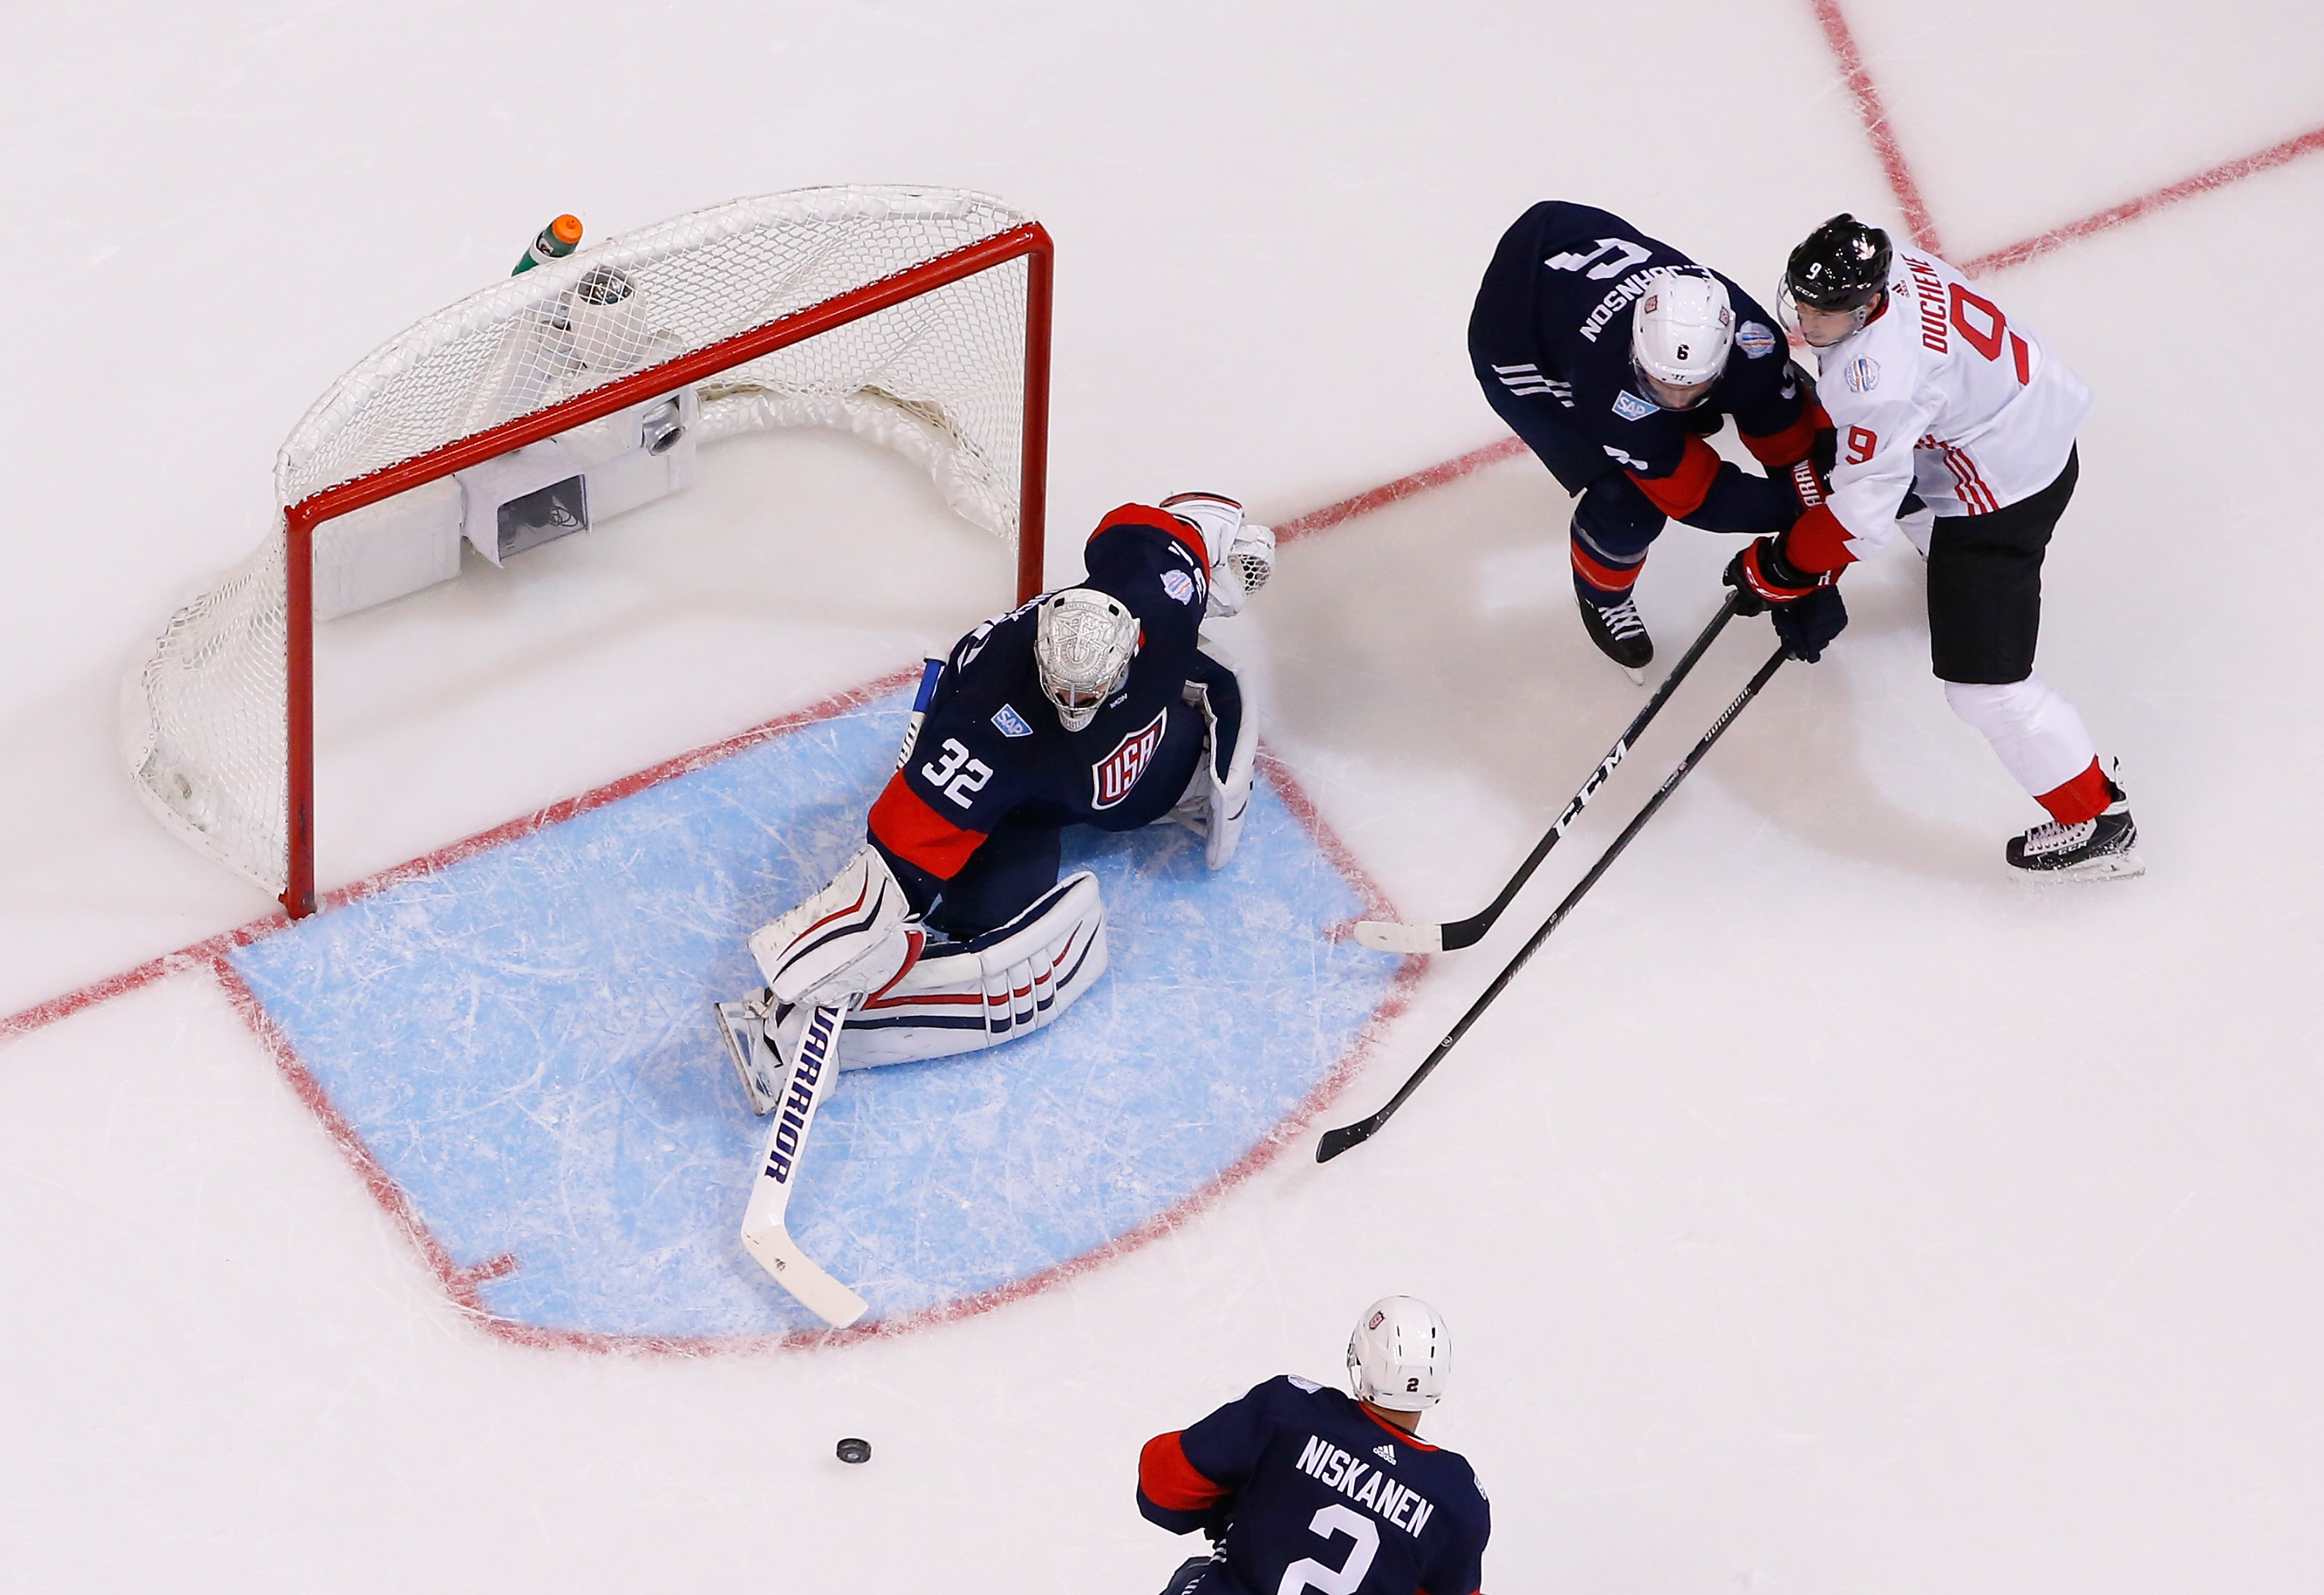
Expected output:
(1821, 1211)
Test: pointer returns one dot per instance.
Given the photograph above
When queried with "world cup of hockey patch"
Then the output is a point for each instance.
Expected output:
(1009, 723)
(1118, 772)
(1179, 585)
(1863, 375)
(1754, 339)
(1631, 408)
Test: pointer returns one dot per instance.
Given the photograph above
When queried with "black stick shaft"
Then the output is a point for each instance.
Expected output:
(1467, 933)
(1336, 1141)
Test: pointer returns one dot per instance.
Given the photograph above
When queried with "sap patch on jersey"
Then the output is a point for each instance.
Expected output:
(1009, 723)
(1113, 775)
(1631, 408)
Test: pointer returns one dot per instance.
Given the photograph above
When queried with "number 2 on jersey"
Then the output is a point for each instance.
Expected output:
(957, 775)
(1307, 1574)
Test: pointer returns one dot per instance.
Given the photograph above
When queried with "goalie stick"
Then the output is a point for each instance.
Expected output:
(1336, 1141)
(1388, 936)
(763, 1234)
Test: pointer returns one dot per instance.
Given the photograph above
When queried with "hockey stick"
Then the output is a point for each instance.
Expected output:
(1336, 1141)
(1388, 936)
(763, 1234)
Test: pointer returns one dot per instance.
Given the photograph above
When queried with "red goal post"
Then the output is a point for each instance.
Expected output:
(919, 316)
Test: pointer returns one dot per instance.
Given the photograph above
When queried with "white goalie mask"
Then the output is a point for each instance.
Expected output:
(1399, 1354)
(1680, 337)
(1082, 644)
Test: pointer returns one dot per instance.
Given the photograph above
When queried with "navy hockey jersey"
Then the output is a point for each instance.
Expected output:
(1307, 1484)
(1550, 338)
(991, 749)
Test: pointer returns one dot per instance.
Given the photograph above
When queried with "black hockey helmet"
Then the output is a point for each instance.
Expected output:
(1842, 265)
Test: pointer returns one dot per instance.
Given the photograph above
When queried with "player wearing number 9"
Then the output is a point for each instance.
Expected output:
(1939, 397)
(1303, 1488)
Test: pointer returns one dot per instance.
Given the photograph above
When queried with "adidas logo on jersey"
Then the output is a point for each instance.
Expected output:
(1526, 381)
(1385, 1451)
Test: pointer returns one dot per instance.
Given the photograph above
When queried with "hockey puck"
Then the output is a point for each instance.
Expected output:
(852, 1450)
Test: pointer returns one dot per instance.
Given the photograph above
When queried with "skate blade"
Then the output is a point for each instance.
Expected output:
(2113, 866)
(1638, 678)
(744, 1035)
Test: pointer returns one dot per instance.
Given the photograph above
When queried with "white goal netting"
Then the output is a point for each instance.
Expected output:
(939, 376)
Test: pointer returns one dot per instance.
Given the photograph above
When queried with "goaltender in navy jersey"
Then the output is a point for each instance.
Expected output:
(1550, 339)
(970, 822)
(1296, 1479)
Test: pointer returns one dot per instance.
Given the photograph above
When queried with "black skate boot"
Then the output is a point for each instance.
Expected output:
(2101, 849)
(1620, 635)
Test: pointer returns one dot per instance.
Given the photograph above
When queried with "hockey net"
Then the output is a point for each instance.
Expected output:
(916, 317)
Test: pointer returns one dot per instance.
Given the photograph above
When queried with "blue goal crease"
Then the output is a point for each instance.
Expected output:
(525, 1040)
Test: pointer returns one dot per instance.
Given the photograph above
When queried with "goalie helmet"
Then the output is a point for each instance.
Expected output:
(1681, 335)
(1083, 642)
(1398, 1355)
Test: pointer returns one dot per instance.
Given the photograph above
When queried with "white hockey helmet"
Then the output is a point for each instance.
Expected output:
(1398, 1355)
(1083, 642)
(1681, 335)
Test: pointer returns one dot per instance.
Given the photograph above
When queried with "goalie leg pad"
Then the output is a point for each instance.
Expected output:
(853, 937)
(967, 996)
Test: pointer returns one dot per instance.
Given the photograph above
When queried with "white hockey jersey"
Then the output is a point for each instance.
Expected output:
(1943, 393)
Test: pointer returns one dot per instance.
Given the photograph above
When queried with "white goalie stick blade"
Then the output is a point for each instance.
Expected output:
(1387, 935)
(763, 1234)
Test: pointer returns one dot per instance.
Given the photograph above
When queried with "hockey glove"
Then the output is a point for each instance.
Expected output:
(1807, 483)
(1761, 578)
(1807, 625)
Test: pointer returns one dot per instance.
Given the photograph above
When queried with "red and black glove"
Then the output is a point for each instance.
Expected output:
(1807, 610)
(1807, 483)
(1761, 577)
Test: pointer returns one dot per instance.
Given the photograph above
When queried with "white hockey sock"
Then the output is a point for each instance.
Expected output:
(2037, 735)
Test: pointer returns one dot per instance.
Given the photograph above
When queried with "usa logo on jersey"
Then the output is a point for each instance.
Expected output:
(1118, 772)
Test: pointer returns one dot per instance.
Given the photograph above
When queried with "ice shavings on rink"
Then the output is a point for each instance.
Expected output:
(524, 1039)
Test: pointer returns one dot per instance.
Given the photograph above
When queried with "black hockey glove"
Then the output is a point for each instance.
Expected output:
(1762, 577)
(1807, 625)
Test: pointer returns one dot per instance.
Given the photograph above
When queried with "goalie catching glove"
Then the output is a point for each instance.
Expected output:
(1240, 555)
(1218, 798)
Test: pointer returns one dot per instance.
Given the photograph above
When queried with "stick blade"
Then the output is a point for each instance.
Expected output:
(1336, 1141)
(772, 1245)
(1386, 936)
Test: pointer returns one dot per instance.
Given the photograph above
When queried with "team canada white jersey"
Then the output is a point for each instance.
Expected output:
(1943, 393)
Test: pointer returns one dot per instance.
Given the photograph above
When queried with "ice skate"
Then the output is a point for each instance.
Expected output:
(2099, 849)
(1620, 635)
(744, 1026)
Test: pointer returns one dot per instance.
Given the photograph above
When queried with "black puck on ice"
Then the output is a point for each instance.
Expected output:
(852, 1450)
